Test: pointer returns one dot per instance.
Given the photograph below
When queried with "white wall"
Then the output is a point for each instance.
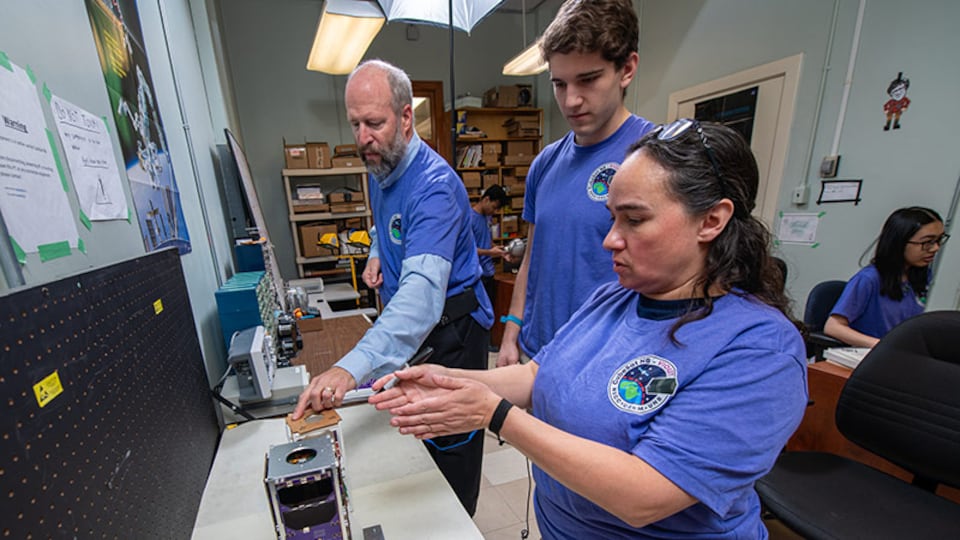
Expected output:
(687, 43)
(54, 38)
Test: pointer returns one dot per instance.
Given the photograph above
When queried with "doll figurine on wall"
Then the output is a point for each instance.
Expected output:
(898, 101)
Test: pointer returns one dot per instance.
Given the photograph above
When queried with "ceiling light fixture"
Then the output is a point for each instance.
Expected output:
(529, 61)
(346, 29)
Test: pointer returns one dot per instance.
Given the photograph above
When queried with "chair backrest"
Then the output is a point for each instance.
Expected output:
(903, 400)
(819, 303)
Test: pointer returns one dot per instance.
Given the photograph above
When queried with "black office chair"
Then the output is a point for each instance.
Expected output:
(903, 404)
(815, 314)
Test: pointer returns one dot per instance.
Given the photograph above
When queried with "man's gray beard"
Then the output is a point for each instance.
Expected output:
(390, 156)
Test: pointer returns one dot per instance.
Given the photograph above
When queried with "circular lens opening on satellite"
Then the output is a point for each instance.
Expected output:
(301, 455)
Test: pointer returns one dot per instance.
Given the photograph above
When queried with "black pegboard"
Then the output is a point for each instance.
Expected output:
(125, 449)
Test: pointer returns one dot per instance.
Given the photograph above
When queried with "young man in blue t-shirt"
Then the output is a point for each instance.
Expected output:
(591, 48)
(422, 258)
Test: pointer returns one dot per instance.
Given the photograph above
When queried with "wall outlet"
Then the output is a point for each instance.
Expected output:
(828, 167)
(800, 195)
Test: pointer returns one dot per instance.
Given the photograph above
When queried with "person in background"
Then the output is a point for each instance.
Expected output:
(591, 48)
(422, 258)
(667, 394)
(493, 198)
(893, 287)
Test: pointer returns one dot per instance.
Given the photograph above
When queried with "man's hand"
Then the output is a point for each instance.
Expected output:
(371, 274)
(497, 251)
(325, 391)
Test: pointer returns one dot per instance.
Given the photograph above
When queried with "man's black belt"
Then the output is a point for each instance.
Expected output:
(458, 306)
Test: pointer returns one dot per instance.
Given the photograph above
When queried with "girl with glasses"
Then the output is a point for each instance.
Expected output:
(894, 286)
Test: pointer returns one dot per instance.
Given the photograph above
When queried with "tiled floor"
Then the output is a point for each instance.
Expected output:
(502, 507)
(504, 489)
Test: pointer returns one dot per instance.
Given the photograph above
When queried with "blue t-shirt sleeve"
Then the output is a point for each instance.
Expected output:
(712, 440)
(434, 221)
(856, 296)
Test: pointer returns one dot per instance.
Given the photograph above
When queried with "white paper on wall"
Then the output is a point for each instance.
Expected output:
(32, 196)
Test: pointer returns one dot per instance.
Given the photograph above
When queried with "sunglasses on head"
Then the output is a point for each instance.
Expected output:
(669, 132)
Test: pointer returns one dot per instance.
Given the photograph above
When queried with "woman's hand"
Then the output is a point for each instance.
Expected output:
(427, 403)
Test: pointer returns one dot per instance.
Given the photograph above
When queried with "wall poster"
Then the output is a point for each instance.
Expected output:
(126, 72)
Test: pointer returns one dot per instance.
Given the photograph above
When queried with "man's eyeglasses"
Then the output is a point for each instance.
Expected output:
(927, 245)
(671, 131)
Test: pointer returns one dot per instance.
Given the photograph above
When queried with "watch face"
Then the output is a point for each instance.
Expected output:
(524, 97)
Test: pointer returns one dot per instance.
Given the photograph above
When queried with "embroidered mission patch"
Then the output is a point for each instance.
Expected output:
(643, 384)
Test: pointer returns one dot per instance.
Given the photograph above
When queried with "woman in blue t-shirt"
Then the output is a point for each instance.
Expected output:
(893, 287)
(669, 392)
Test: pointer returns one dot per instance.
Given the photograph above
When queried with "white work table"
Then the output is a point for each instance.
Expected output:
(391, 480)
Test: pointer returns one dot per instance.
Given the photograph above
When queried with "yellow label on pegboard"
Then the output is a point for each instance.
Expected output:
(158, 306)
(48, 388)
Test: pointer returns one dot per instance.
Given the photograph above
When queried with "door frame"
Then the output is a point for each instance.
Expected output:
(441, 128)
(789, 70)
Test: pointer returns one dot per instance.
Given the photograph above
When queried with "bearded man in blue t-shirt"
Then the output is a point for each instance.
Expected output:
(423, 258)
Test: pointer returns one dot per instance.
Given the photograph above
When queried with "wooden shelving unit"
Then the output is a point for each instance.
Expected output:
(500, 169)
(331, 266)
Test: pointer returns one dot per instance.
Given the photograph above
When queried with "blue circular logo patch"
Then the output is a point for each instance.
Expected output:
(643, 384)
(598, 186)
(396, 231)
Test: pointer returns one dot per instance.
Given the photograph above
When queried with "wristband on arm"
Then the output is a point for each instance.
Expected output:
(512, 318)
(499, 415)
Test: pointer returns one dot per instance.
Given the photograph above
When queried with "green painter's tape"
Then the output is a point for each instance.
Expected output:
(815, 244)
(54, 251)
(81, 247)
(86, 221)
(18, 251)
(33, 78)
(47, 94)
(5, 61)
(129, 216)
(781, 213)
(821, 214)
(56, 158)
(776, 242)
(106, 124)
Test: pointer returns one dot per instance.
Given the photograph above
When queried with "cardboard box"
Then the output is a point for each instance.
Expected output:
(491, 148)
(307, 206)
(509, 224)
(353, 223)
(347, 195)
(295, 156)
(521, 171)
(515, 95)
(516, 203)
(347, 207)
(318, 155)
(490, 179)
(490, 160)
(315, 193)
(342, 150)
(351, 161)
(472, 179)
(310, 234)
(517, 159)
(517, 148)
